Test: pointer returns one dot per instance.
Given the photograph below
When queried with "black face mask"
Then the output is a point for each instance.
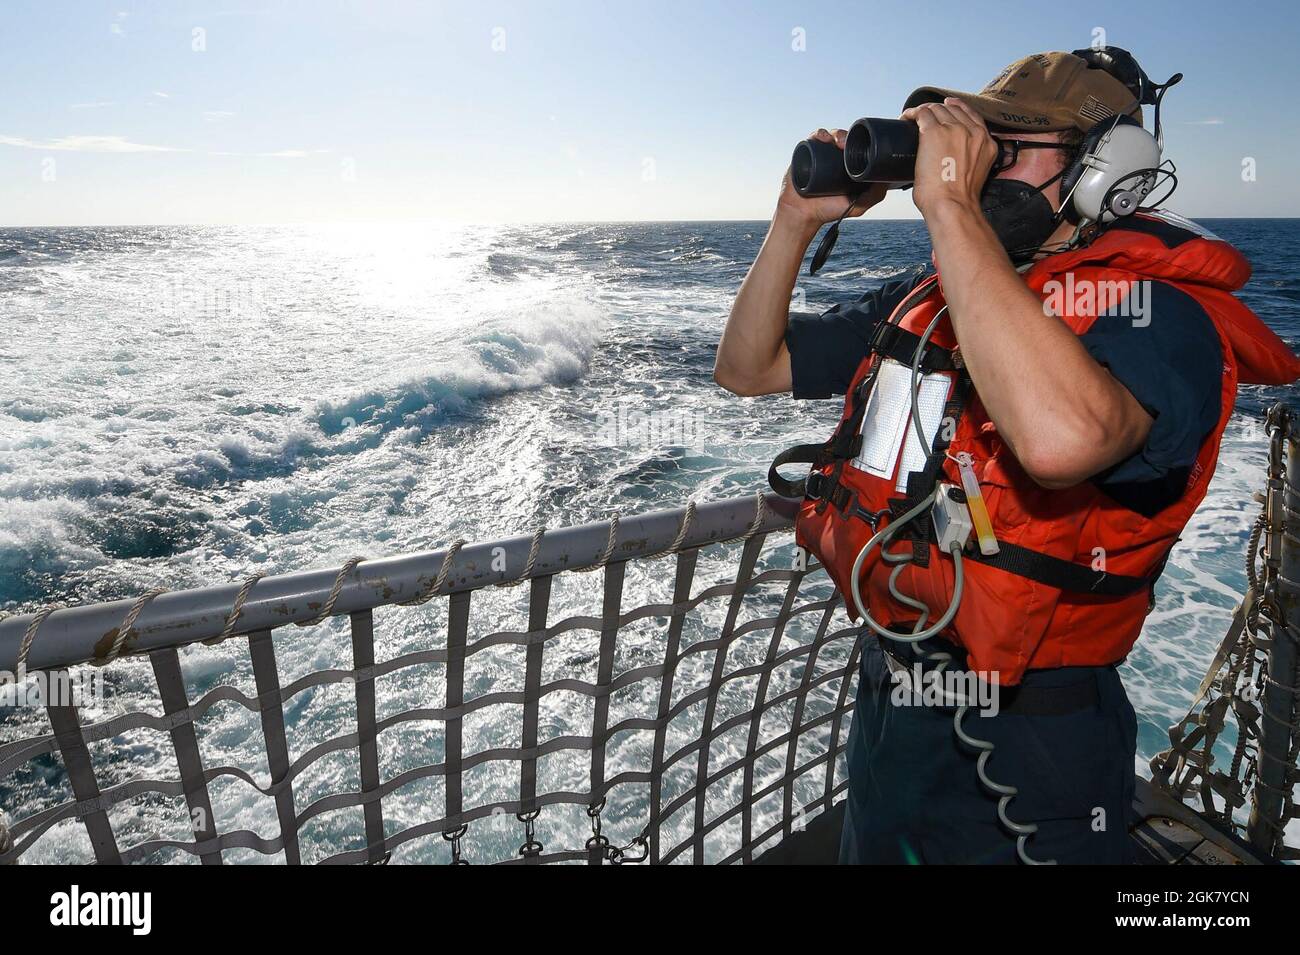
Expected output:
(1020, 215)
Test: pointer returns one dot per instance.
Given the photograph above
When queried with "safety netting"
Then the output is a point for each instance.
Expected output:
(661, 718)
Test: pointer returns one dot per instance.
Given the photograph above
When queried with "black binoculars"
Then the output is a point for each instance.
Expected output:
(876, 150)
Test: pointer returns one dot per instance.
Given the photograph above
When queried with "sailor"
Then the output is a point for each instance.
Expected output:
(1073, 363)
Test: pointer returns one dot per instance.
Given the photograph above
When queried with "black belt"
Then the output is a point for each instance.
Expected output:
(1050, 700)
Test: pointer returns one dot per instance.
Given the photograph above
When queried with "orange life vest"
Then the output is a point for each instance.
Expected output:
(1073, 579)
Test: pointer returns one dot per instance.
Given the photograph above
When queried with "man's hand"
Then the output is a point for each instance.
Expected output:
(954, 158)
(752, 355)
(816, 212)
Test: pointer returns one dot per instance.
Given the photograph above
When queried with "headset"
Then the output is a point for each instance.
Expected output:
(1119, 162)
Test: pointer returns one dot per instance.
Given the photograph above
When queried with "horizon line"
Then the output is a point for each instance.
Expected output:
(513, 222)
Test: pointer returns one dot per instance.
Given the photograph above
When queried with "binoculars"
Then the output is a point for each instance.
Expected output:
(876, 150)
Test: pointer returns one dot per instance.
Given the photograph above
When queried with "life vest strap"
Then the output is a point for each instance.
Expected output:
(799, 454)
(888, 340)
(893, 341)
(1064, 574)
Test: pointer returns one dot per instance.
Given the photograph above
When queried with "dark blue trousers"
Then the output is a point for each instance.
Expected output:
(914, 797)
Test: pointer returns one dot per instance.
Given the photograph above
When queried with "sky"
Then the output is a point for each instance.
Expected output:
(245, 111)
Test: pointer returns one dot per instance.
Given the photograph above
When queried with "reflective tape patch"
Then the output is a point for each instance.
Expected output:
(887, 422)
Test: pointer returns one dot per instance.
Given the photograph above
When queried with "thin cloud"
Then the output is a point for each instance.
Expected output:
(161, 95)
(1204, 122)
(87, 144)
(292, 153)
(217, 115)
(120, 144)
(99, 105)
(278, 154)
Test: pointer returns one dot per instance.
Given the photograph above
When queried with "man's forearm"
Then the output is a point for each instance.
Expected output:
(1062, 414)
(752, 358)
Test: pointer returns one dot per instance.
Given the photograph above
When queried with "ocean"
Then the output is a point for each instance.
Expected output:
(182, 406)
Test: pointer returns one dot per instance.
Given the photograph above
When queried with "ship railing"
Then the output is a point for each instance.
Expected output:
(1234, 755)
(702, 724)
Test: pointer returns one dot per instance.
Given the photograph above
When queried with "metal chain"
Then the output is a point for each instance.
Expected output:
(622, 856)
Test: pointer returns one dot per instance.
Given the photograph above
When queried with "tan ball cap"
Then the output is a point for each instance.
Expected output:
(1042, 93)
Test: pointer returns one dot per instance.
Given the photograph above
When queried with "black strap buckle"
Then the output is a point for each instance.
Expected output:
(815, 485)
(845, 444)
(884, 338)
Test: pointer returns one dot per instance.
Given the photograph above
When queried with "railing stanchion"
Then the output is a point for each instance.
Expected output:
(85, 787)
(261, 650)
(748, 558)
(171, 690)
(457, 634)
(363, 662)
(539, 599)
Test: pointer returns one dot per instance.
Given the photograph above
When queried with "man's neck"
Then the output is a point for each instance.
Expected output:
(1063, 233)
(1057, 240)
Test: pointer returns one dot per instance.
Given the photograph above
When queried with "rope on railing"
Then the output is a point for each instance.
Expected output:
(534, 548)
(687, 519)
(328, 609)
(603, 559)
(128, 624)
(760, 511)
(240, 599)
(20, 667)
(428, 593)
(114, 650)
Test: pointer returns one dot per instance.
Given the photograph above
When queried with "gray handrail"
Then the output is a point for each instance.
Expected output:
(75, 635)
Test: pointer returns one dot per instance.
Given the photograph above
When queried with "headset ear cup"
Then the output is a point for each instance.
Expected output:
(1123, 203)
(1091, 140)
